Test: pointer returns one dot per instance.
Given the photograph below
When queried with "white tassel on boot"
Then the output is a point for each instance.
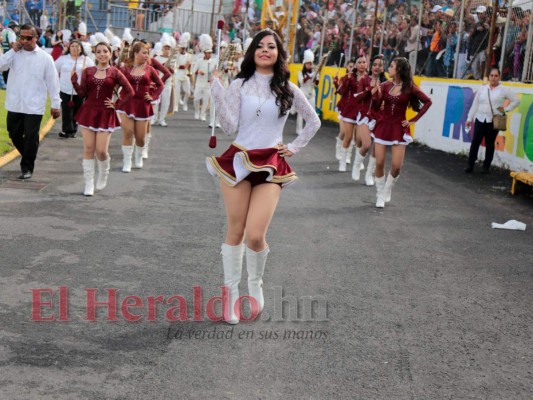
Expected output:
(103, 173)
(255, 264)
(232, 257)
(380, 186)
(371, 167)
(342, 161)
(356, 169)
(338, 147)
(88, 176)
(127, 152)
(138, 157)
(146, 144)
(389, 184)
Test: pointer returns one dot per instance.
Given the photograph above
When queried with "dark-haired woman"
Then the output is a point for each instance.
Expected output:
(97, 117)
(392, 128)
(339, 86)
(136, 113)
(73, 60)
(366, 120)
(488, 101)
(254, 169)
(351, 110)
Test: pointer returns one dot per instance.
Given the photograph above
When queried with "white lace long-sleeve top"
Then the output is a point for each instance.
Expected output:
(250, 110)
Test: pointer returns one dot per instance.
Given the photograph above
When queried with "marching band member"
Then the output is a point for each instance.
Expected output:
(392, 128)
(164, 104)
(307, 79)
(203, 68)
(254, 168)
(93, 42)
(367, 120)
(96, 117)
(339, 84)
(136, 113)
(351, 111)
(116, 48)
(182, 80)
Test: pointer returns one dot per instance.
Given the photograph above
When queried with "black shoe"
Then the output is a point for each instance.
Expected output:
(71, 135)
(469, 170)
(63, 135)
(25, 175)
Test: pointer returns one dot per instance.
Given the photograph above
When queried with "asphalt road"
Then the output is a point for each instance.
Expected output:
(421, 300)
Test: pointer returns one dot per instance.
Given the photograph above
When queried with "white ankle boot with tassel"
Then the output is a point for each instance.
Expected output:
(232, 257)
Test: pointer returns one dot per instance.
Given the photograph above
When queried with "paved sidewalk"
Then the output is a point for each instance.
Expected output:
(421, 300)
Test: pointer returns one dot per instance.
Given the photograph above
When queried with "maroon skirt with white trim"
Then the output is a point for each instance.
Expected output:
(237, 163)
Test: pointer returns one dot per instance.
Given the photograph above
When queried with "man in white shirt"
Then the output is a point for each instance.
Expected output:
(32, 74)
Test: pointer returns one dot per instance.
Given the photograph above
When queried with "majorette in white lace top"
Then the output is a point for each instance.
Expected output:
(251, 111)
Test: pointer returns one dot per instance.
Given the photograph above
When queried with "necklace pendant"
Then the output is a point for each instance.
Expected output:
(258, 112)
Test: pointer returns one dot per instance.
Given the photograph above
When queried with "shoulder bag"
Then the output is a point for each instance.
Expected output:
(499, 122)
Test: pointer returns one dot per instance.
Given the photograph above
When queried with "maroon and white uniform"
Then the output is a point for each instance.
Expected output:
(350, 109)
(389, 129)
(94, 114)
(138, 107)
(364, 99)
(343, 98)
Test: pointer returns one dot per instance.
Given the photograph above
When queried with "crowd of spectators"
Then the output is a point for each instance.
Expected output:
(397, 30)
(326, 26)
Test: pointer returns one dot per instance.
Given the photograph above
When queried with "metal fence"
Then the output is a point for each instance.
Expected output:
(177, 19)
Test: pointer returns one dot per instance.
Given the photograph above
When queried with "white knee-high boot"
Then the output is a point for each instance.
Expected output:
(356, 169)
(196, 108)
(127, 152)
(88, 176)
(146, 143)
(349, 153)
(255, 265)
(380, 186)
(342, 162)
(138, 157)
(389, 184)
(369, 176)
(338, 146)
(103, 173)
(232, 257)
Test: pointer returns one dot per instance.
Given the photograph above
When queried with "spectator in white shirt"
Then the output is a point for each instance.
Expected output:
(73, 60)
(488, 101)
(32, 75)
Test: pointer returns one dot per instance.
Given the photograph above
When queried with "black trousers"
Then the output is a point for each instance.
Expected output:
(483, 130)
(68, 113)
(24, 133)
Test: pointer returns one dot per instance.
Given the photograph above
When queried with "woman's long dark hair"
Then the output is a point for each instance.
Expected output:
(279, 85)
(403, 71)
